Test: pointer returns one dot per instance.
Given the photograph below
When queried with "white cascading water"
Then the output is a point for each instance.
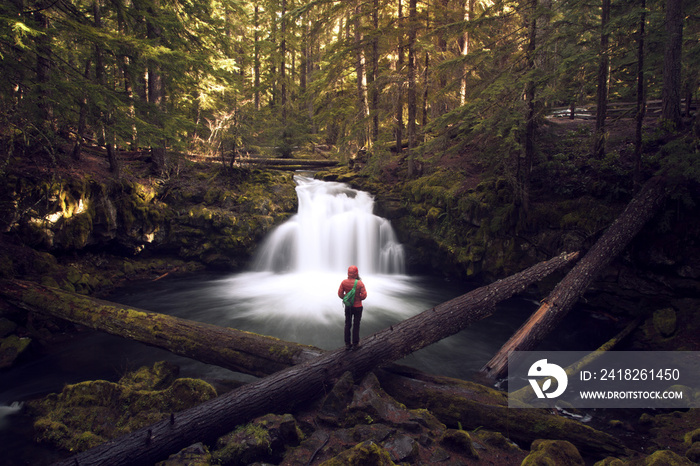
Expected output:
(335, 227)
(291, 291)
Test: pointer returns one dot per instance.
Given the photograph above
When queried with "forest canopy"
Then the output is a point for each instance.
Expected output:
(392, 78)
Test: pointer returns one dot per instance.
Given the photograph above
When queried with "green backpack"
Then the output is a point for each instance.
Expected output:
(349, 298)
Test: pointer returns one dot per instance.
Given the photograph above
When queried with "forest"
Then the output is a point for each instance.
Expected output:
(503, 139)
(392, 79)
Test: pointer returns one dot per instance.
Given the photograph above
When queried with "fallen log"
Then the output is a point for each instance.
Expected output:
(562, 298)
(295, 162)
(232, 349)
(526, 393)
(471, 406)
(287, 388)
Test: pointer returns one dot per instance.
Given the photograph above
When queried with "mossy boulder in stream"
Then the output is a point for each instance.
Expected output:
(10, 349)
(86, 414)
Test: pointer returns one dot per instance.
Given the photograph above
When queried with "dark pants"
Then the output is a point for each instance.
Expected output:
(350, 314)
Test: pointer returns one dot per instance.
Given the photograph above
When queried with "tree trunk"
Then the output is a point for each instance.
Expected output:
(468, 13)
(364, 139)
(641, 98)
(256, 56)
(602, 94)
(571, 288)
(290, 387)
(671, 91)
(283, 63)
(399, 81)
(411, 77)
(525, 167)
(82, 118)
(225, 347)
(374, 110)
(156, 97)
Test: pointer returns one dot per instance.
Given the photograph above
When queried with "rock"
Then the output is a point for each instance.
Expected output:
(86, 414)
(264, 439)
(553, 452)
(610, 461)
(665, 458)
(402, 448)
(665, 321)
(459, 441)
(194, 455)
(693, 453)
(364, 454)
(10, 349)
(692, 436)
(334, 404)
(6, 327)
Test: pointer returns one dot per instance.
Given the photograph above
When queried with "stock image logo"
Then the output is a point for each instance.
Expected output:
(542, 369)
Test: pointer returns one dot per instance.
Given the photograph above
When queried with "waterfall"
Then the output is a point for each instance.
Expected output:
(334, 227)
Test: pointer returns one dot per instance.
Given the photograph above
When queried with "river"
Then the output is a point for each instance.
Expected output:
(290, 292)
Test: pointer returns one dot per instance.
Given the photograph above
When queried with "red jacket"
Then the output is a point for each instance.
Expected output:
(347, 284)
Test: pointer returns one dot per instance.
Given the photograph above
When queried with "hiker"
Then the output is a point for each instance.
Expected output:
(353, 312)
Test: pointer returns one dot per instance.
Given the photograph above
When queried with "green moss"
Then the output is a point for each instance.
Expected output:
(665, 458)
(665, 321)
(10, 348)
(366, 453)
(87, 413)
(459, 441)
(691, 437)
(610, 461)
(554, 453)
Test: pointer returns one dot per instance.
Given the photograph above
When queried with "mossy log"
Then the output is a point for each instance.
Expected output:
(287, 388)
(562, 298)
(232, 349)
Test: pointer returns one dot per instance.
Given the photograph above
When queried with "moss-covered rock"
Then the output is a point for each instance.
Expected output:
(264, 439)
(6, 327)
(553, 453)
(691, 437)
(665, 321)
(610, 461)
(194, 455)
(693, 453)
(88, 413)
(364, 454)
(10, 349)
(665, 458)
(460, 441)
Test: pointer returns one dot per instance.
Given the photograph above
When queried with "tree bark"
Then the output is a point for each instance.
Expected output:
(641, 98)
(290, 387)
(411, 91)
(525, 166)
(671, 91)
(399, 81)
(602, 93)
(553, 309)
(364, 138)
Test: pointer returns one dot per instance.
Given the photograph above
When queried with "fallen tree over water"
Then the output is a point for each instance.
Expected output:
(290, 387)
(232, 349)
(562, 298)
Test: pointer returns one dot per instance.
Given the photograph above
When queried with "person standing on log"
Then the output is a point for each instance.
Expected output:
(353, 312)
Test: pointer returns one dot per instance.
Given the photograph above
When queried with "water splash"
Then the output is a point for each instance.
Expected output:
(7, 411)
